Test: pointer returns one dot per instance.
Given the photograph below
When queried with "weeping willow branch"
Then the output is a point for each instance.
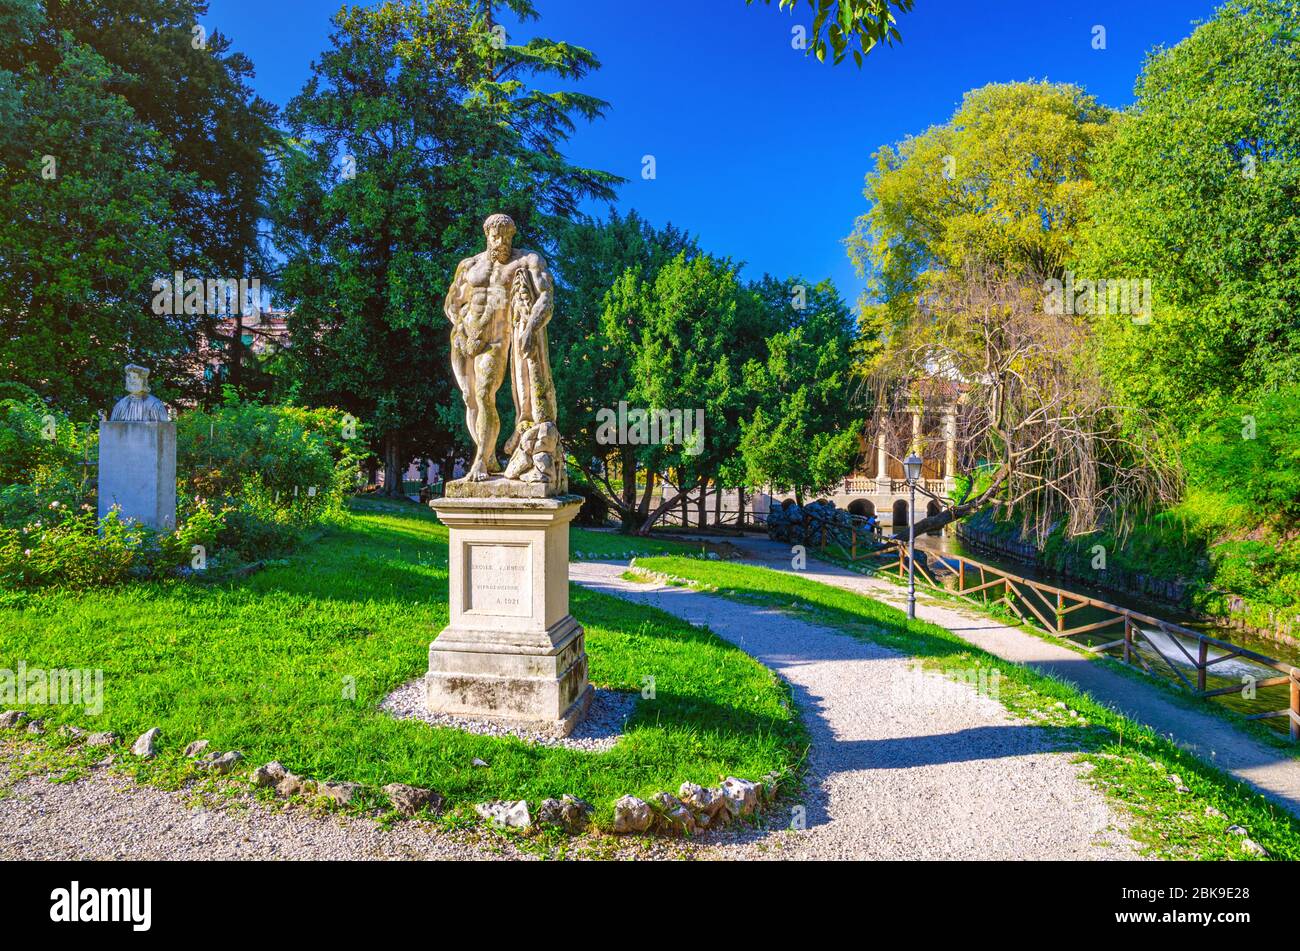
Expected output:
(1037, 429)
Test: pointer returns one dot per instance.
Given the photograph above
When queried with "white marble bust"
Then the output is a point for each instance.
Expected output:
(138, 406)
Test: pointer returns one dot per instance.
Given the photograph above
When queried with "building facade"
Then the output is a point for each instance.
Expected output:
(879, 486)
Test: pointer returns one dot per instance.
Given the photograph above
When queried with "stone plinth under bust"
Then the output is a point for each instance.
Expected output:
(511, 650)
(137, 472)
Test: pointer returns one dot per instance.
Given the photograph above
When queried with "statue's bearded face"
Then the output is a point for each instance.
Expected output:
(135, 383)
(499, 242)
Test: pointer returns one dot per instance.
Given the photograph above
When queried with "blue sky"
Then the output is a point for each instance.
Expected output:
(761, 151)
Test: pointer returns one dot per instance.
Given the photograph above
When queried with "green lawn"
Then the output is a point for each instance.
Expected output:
(1131, 763)
(291, 663)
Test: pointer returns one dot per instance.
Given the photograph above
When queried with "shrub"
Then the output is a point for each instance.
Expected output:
(202, 527)
(287, 449)
(271, 472)
(77, 551)
(1250, 454)
(251, 480)
(41, 454)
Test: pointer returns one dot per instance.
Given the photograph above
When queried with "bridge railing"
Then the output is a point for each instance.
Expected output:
(1120, 632)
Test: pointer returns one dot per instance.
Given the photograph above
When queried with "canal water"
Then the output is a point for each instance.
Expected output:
(1236, 670)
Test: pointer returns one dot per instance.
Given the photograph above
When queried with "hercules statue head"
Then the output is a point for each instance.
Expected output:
(500, 233)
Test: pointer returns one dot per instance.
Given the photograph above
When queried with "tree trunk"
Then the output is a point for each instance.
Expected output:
(392, 471)
(236, 353)
(740, 508)
(664, 506)
(717, 507)
(686, 515)
(643, 507)
(703, 503)
(932, 522)
(628, 472)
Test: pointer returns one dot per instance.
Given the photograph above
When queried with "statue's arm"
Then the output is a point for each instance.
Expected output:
(451, 306)
(545, 284)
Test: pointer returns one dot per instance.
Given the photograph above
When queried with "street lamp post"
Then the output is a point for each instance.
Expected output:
(912, 467)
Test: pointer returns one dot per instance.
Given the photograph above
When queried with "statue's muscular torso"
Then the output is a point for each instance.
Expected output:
(483, 317)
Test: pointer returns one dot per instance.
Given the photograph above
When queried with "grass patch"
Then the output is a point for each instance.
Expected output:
(1131, 763)
(593, 545)
(291, 664)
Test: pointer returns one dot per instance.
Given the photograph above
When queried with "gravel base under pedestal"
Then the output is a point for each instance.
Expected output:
(598, 731)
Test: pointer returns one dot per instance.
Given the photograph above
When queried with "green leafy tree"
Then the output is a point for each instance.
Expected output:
(181, 79)
(1251, 454)
(86, 197)
(1004, 182)
(590, 373)
(686, 335)
(1197, 193)
(804, 432)
(844, 27)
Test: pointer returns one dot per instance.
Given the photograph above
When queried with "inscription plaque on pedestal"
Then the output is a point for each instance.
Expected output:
(498, 580)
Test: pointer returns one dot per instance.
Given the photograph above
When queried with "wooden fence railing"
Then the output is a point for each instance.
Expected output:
(1121, 630)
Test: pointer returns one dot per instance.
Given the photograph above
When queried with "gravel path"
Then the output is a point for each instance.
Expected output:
(1272, 772)
(112, 817)
(903, 764)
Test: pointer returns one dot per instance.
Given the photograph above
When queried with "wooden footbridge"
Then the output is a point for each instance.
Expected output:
(1198, 662)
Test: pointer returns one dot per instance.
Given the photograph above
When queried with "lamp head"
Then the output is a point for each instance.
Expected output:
(912, 467)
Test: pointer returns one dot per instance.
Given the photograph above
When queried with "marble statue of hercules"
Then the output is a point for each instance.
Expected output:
(492, 329)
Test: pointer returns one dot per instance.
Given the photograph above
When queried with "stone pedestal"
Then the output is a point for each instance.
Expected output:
(511, 651)
(137, 472)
